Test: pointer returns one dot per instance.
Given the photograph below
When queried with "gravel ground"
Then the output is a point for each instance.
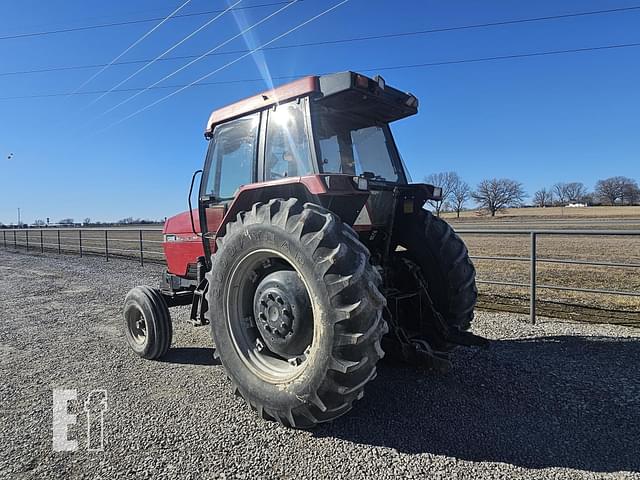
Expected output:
(557, 400)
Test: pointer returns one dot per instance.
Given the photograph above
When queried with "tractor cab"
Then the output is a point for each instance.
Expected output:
(324, 138)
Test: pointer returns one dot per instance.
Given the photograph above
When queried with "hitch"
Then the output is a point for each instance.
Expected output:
(418, 348)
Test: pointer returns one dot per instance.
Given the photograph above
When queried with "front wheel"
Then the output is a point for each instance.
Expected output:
(295, 312)
(147, 322)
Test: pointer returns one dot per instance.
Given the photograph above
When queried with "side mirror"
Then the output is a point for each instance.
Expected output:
(193, 180)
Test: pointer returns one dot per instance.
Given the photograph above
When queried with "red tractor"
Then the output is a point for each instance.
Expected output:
(310, 254)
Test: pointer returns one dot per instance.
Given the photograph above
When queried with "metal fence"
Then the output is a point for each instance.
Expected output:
(534, 260)
(144, 244)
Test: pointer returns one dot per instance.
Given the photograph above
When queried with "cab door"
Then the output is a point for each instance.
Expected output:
(231, 162)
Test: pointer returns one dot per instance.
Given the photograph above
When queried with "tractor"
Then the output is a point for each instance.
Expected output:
(310, 254)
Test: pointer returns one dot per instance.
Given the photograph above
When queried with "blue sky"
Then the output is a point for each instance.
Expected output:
(573, 117)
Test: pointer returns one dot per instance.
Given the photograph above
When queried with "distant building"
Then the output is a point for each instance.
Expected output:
(577, 205)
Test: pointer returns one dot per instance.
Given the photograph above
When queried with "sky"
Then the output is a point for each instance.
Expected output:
(539, 120)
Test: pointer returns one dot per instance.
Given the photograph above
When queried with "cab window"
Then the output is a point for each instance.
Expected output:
(287, 151)
(232, 152)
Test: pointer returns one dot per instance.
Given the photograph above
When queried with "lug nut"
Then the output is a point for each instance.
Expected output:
(294, 362)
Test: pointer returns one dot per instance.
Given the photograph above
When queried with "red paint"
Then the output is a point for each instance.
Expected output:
(313, 183)
(187, 247)
(288, 91)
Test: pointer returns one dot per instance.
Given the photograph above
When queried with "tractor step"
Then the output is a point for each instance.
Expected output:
(199, 305)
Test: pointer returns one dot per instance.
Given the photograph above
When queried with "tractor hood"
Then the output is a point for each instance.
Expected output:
(181, 224)
(181, 247)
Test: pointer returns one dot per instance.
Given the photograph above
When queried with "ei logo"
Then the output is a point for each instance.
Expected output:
(94, 408)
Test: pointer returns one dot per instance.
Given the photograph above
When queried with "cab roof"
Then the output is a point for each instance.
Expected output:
(298, 88)
(344, 90)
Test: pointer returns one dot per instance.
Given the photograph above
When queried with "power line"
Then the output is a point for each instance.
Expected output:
(340, 41)
(133, 45)
(217, 47)
(128, 22)
(170, 49)
(369, 69)
(213, 72)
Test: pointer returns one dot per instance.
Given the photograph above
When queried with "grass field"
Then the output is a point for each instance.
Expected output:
(577, 305)
(547, 213)
(563, 304)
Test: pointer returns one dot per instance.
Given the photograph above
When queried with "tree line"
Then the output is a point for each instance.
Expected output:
(496, 194)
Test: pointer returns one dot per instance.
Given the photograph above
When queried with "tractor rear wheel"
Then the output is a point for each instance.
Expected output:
(445, 264)
(147, 322)
(295, 312)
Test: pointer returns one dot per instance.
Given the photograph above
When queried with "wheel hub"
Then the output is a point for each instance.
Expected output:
(282, 312)
(138, 328)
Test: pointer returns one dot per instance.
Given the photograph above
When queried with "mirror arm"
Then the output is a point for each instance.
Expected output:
(193, 179)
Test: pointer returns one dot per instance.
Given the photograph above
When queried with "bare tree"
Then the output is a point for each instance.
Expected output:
(87, 221)
(569, 192)
(608, 190)
(632, 193)
(576, 191)
(612, 189)
(39, 223)
(543, 198)
(446, 181)
(460, 194)
(560, 192)
(498, 193)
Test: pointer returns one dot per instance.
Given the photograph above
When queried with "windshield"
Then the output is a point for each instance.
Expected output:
(354, 145)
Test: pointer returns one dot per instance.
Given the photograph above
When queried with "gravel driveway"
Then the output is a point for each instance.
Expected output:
(558, 400)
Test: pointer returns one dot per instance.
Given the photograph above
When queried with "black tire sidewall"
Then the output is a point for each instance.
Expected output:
(427, 252)
(236, 246)
(151, 305)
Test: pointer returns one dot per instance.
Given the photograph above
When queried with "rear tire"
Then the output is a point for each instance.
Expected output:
(147, 322)
(346, 310)
(445, 264)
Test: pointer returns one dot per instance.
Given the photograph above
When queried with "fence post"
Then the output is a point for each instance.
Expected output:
(59, 249)
(41, 242)
(106, 244)
(26, 233)
(532, 280)
(15, 240)
(141, 252)
(4, 234)
(80, 241)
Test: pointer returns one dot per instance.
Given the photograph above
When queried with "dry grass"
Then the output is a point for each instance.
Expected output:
(552, 213)
(581, 305)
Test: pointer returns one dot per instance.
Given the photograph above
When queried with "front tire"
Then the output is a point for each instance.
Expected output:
(147, 322)
(281, 248)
